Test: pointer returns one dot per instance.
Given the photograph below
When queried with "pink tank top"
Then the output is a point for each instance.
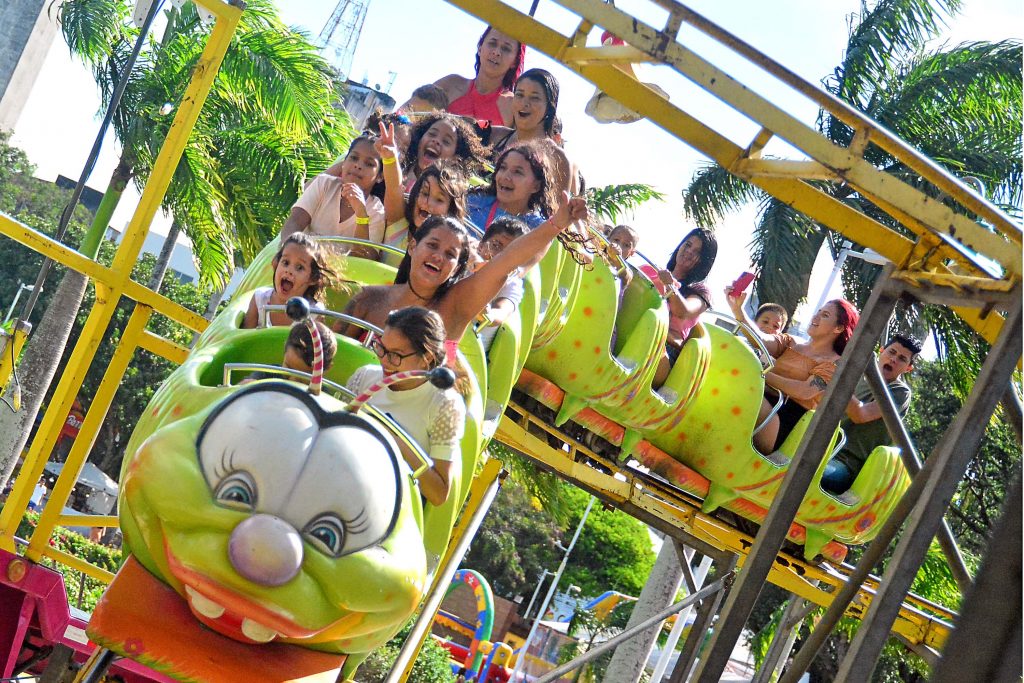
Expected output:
(480, 107)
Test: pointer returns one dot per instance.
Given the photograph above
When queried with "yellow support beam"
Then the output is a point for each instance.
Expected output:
(51, 516)
(920, 621)
(10, 348)
(109, 291)
(950, 236)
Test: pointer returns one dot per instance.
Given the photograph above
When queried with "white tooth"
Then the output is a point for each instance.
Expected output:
(257, 632)
(202, 604)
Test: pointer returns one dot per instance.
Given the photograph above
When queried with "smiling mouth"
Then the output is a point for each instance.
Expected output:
(286, 285)
(431, 267)
(431, 154)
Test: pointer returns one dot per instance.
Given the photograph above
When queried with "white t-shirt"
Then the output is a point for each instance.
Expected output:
(436, 419)
(322, 201)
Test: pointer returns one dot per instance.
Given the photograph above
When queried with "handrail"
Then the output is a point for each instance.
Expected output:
(342, 239)
(326, 312)
(403, 436)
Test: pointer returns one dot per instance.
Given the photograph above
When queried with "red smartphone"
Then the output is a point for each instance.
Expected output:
(742, 282)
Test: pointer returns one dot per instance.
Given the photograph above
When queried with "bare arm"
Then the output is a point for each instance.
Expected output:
(297, 221)
(859, 413)
(252, 316)
(804, 390)
(394, 196)
(435, 483)
(770, 341)
(499, 311)
(468, 297)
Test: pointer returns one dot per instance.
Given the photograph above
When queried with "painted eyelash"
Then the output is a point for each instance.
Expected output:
(357, 524)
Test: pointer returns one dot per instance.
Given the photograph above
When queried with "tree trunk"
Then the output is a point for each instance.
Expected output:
(658, 593)
(163, 261)
(44, 348)
(37, 368)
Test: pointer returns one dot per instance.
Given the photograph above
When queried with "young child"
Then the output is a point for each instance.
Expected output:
(624, 240)
(771, 318)
(499, 235)
(426, 98)
(345, 200)
(298, 351)
(440, 190)
(300, 269)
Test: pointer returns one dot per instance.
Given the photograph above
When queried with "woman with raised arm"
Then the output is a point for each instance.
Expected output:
(488, 95)
(433, 273)
(802, 369)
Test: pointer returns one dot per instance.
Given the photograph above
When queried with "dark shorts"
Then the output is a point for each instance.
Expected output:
(789, 415)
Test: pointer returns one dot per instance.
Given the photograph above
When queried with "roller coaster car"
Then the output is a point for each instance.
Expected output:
(703, 416)
(276, 516)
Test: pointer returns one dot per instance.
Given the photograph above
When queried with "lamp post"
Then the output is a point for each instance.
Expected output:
(515, 677)
(17, 295)
(540, 582)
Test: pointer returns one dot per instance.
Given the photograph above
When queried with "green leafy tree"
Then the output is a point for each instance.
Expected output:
(515, 543)
(961, 106)
(613, 552)
(433, 665)
(268, 123)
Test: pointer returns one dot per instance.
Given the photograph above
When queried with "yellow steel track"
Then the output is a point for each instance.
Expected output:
(936, 243)
(659, 503)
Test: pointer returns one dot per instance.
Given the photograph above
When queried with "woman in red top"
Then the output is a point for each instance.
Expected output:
(487, 96)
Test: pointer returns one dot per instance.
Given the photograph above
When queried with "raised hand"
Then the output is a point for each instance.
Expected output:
(736, 301)
(570, 210)
(385, 144)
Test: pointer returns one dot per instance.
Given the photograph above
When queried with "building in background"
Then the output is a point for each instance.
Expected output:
(26, 33)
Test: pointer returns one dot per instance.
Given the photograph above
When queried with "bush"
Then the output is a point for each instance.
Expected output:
(432, 665)
(82, 594)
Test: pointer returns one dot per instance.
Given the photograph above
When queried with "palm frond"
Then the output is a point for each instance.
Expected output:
(880, 39)
(612, 201)
(91, 27)
(784, 247)
(713, 192)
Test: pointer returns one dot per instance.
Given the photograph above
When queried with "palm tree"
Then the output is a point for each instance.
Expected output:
(960, 106)
(612, 201)
(268, 123)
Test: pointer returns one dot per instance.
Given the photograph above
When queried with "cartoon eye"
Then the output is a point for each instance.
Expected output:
(327, 533)
(237, 490)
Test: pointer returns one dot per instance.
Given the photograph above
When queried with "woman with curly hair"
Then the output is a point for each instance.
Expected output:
(439, 136)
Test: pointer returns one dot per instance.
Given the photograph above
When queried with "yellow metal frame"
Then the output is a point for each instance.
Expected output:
(111, 284)
(481, 482)
(919, 621)
(15, 342)
(940, 235)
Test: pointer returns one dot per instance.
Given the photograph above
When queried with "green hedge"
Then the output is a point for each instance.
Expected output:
(83, 595)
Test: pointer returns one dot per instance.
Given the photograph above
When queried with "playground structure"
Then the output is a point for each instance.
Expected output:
(945, 257)
(483, 660)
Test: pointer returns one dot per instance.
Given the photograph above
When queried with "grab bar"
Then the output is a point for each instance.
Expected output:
(341, 392)
(327, 313)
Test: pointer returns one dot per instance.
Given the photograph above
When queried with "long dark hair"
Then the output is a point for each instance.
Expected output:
(847, 316)
(544, 199)
(370, 138)
(549, 84)
(451, 177)
(468, 147)
(708, 252)
(321, 275)
(430, 225)
(512, 75)
(424, 329)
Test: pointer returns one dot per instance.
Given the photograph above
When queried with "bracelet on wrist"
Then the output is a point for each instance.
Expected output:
(388, 161)
(362, 220)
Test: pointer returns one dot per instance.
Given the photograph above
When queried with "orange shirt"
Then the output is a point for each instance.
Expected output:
(794, 364)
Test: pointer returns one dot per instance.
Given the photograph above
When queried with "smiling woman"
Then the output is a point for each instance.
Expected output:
(487, 96)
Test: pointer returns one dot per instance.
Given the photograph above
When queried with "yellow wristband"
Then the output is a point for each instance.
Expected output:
(387, 161)
(362, 220)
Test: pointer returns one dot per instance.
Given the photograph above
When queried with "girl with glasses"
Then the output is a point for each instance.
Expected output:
(413, 339)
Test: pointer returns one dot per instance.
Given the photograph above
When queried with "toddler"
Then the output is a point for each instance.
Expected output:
(300, 269)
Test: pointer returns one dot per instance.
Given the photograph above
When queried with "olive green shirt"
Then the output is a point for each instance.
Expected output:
(863, 438)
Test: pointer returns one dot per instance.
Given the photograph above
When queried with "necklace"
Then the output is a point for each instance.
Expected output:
(415, 293)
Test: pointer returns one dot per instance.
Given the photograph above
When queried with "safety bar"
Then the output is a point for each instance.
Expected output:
(327, 313)
(341, 392)
(342, 239)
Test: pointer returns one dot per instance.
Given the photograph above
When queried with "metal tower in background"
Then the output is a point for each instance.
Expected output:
(340, 35)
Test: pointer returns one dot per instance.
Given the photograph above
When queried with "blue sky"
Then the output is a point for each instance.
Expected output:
(422, 40)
